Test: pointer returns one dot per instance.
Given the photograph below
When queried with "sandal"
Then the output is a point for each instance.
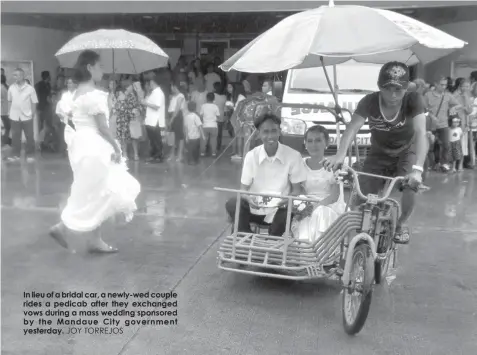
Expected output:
(57, 234)
(402, 235)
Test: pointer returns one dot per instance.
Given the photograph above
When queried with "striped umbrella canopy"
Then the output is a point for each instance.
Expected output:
(121, 51)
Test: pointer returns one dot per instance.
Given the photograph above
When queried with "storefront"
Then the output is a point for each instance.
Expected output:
(208, 29)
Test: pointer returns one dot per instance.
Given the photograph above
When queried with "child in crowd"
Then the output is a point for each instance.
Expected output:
(455, 145)
(193, 133)
(209, 114)
(220, 100)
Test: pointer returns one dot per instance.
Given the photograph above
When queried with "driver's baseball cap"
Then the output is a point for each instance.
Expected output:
(394, 74)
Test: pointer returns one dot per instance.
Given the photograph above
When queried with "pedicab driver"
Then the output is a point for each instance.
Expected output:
(398, 139)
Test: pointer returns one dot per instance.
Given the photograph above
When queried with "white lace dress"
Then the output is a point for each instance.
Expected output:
(101, 188)
(318, 185)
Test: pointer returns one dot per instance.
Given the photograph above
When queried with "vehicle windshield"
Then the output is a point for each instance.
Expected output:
(352, 77)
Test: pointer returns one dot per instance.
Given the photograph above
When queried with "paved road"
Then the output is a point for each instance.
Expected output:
(430, 308)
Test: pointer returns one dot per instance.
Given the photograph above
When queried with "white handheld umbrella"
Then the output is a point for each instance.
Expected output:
(332, 35)
(121, 51)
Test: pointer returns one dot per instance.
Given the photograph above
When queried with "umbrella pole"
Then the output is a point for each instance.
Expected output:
(335, 96)
(337, 106)
(338, 125)
(338, 111)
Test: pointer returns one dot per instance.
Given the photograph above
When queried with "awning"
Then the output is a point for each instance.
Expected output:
(180, 6)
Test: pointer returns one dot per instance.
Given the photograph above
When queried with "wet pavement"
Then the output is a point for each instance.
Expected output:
(429, 308)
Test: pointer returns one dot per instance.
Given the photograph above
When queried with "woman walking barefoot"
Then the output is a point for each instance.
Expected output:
(101, 187)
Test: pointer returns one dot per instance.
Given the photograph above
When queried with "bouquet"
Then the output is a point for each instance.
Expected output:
(302, 209)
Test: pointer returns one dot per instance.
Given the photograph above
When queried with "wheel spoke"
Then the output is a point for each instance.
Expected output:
(354, 293)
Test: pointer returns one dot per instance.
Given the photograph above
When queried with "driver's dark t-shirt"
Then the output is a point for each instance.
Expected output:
(391, 136)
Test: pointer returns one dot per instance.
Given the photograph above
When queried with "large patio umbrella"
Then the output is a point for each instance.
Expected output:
(332, 35)
(121, 51)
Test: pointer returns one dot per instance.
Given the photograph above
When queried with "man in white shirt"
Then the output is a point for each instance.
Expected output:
(211, 78)
(155, 120)
(269, 168)
(22, 100)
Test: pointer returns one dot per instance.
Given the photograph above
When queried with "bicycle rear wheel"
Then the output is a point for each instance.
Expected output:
(358, 293)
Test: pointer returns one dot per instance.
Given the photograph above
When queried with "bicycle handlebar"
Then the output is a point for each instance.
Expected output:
(282, 197)
(386, 194)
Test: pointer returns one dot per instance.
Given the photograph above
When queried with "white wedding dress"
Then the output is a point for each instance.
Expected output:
(318, 185)
(101, 188)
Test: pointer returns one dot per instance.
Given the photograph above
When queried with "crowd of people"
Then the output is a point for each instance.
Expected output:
(451, 107)
(183, 112)
(415, 127)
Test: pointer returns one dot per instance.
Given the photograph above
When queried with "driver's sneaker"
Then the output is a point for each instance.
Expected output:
(402, 235)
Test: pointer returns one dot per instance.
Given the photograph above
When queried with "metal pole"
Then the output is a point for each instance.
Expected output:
(339, 113)
(338, 124)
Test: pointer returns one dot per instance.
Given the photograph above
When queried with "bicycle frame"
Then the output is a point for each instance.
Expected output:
(373, 204)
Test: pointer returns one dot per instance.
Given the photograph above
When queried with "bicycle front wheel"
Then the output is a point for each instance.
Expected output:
(386, 245)
(358, 293)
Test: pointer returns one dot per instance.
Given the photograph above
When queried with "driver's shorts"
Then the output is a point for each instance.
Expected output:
(379, 163)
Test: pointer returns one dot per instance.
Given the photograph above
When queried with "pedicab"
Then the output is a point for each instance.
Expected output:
(357, 248)
(364, 236)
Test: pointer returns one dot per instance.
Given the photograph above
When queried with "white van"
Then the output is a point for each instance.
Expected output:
(309, 86)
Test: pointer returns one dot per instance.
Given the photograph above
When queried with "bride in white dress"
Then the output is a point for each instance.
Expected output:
(102, 186)
(320, 184)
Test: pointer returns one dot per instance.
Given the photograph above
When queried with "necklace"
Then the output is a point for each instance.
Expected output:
(384, 116)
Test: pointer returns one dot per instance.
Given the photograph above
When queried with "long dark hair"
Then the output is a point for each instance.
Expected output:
(197, 71)
(238, 90)
(450, 84)
(458, 83)
(4, 81)
(86, 58)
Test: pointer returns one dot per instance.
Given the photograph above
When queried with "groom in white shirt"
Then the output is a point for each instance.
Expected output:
(269, 168)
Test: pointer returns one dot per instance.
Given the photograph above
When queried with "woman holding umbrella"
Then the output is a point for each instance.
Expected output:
(101, 187)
